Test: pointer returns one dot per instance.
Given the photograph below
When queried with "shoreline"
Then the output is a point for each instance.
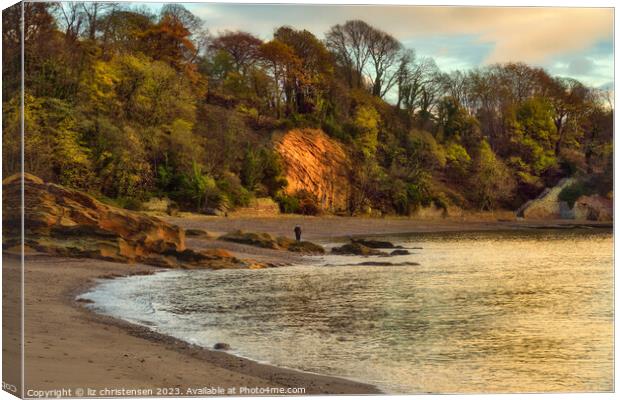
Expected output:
(151, 359)
(145, 356)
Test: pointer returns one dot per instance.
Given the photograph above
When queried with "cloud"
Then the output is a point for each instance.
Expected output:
(593, 65)
(581, 66)
(575, 42)
(529, 34)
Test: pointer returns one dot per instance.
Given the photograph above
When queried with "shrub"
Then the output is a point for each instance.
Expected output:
(308, 206)
(571, 193)
(288, 204)
(232, 191)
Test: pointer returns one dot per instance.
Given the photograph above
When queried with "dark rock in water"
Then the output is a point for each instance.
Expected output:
(400, 252)
(385, 264)
(221, 346)
(70, 223)
(357, 249)
(267, 241)
(374, 244)
(197, 233)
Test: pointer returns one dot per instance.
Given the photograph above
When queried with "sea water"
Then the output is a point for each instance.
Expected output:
(482, 312)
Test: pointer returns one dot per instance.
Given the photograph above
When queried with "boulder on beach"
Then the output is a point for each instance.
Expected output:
(200, 233)
(357, 249)
(300, 247)
(70, 223)
(265, 240)
(400, 252)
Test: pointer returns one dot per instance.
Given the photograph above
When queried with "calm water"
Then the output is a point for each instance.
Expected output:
(483, 312)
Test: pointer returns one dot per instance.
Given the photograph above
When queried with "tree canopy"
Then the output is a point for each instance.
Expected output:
(128, 104)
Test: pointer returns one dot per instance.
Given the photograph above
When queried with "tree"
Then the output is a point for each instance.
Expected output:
(533, 134)
(490, 183)
(349, 42)
(569, 99)
(242, 47)
(170, 41)
(412, 78)
(282, 63)
(384, 52)
(312, 80)
(93, 13)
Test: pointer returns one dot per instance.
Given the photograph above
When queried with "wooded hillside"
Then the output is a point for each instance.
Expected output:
(128, 105)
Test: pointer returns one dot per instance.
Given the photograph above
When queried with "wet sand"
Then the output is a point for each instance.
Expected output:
(68, 346)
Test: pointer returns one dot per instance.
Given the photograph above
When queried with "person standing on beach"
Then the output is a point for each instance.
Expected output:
(297, 231)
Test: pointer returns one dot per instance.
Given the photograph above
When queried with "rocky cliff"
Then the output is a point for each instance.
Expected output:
(549, 206)
(67, 222)
(318, 164)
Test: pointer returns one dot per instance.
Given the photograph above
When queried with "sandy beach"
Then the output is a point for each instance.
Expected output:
(68, 346)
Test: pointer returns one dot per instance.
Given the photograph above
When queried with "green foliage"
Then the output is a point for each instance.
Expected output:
(233, 192)
(288, 204)
(571, 193)
(118, 105)
(534, 134)
(586, 186)
(251, 171)
(458, 161)
(491, 182)
(272, 171)
(456, 124)
(198, 186)
(366, 123)
(302, 202)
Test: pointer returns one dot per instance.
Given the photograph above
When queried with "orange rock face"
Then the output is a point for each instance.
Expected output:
(67, 222)
(318, 164)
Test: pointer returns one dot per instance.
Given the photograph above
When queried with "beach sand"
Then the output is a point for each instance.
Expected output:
(69, 346)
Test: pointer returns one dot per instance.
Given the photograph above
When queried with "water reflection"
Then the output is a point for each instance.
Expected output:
(485, 312)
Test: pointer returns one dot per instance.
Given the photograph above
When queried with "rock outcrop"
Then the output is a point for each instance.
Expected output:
(357, 249)
(267, 241)
(318, 164)
(375, 244)
(548, 205)
(67, 222)
(593, 208)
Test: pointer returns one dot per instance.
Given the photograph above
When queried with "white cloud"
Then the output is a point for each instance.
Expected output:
(529, 34)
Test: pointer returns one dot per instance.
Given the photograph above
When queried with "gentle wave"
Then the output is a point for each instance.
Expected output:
(483, 312)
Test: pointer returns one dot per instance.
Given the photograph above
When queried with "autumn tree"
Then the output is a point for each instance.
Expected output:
(308, 84)
(242, 47)
(282, 63)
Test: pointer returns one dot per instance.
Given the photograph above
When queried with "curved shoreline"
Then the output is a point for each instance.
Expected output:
(235, 362)
(98, 351)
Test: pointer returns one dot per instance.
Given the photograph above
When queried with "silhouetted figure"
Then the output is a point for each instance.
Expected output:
(297, 232)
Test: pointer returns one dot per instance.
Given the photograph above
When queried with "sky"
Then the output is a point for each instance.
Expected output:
(570, 42)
